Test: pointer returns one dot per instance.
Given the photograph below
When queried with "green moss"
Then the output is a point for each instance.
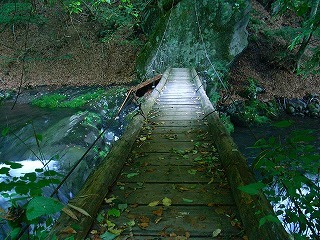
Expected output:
(227, 123)
(49, 101)
(113, 96)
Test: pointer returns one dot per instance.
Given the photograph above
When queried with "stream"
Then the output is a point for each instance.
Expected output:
(66, 133)
(58, 137)
(245, 138)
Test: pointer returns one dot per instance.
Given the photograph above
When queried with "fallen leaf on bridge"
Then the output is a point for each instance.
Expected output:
(154, 203)
(187, 200)
(166, 202)
(216, 232)
(69, 230)
(109, 200)
(158, 212)
(192, 171)
(144, 222)
(130, 175)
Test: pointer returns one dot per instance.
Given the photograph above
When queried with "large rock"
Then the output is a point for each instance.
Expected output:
(177, 42)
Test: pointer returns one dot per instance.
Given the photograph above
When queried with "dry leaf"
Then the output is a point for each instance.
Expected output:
(134, 205)
(188, 235)
(158, 220)
(68, 230)
(212, 204)
(80, 210)
(69, 213)
(219, 211)
(143, 225)
(158, 212)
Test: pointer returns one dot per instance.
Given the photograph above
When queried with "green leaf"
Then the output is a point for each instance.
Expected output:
(192, 171)
(32, 177)
(39, 206)
(13, 165)
(197, 159)
(5, 131)
(4, 170)
(123, 206)
(252, 188)
(283, 124)
(100, 217)
(108, 236)
(114, 212)
(268, 218)
(14, 233)
(130, 175)
(187, 200)
(39, 137)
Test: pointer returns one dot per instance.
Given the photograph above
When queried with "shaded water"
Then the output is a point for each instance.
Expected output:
(65, 136)
(246, 137)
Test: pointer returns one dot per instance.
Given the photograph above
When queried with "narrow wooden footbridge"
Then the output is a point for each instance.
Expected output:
(174, 174)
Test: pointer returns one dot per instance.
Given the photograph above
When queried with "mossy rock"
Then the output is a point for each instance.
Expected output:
(175, 39)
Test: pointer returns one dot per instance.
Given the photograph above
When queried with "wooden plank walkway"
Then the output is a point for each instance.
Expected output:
(175, 168)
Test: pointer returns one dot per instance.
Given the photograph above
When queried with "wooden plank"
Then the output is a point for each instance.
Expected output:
(171, 174)
(197, 221)
(163, 147)
(166, 159)
(199, 194)
(177, 117)
(179, 123)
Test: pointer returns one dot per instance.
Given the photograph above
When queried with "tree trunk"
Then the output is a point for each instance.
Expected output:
(306, 39)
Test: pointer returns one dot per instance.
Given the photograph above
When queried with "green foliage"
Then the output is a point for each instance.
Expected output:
(290, 168)
(41, 206)
(253, 188)
(257, 112)
(19, 13)
(309, 12)
(50, 101)
(227, 123)
(24, 192)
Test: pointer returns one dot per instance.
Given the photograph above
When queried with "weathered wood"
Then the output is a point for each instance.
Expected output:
(96, 187)
(161, 167)
(199, 193)
(199, 221)
(238, 174)
(169, 174)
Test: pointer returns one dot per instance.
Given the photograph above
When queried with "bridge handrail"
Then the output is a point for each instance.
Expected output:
(96, 187)
(239, 174)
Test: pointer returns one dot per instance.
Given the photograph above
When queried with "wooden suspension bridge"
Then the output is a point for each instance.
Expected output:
(174, 174)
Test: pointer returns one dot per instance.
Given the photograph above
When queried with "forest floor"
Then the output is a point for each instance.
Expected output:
(66, 56)
(260, 61)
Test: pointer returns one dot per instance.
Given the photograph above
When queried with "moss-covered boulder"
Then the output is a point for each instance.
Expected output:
(175, 38)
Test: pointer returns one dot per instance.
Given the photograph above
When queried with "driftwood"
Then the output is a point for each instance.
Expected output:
(239, 174)
(97, 185)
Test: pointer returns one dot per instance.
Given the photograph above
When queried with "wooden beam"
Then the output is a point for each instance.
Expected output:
(239, 174)
(97, 185)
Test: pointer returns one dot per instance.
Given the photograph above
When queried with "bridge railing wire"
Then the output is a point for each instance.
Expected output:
(211, 66)
(160, 56)
(76, 164)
